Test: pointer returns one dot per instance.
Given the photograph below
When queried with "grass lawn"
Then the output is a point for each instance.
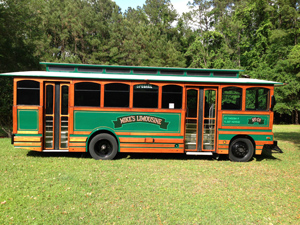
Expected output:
(39, 188)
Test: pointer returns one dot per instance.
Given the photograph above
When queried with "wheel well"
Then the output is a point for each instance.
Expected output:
(242, 136)
(101, 132)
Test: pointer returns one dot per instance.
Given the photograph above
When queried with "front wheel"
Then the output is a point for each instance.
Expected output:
(103, 146)
(241, 150)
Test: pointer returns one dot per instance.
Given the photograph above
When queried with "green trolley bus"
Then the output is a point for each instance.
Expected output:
(104, 110)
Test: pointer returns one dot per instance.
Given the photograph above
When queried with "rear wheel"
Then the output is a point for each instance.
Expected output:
(241, 150)
(103, 146)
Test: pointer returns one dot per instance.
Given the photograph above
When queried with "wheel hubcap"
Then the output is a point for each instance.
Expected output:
(240, 149)
(103, 148)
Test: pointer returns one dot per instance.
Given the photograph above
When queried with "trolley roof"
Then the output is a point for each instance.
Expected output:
(126, 73)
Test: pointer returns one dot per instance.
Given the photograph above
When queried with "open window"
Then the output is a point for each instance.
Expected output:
(87, 94)
(171, 97)
(232, 98)
(257, 99)
(28, 92)
(116, 95)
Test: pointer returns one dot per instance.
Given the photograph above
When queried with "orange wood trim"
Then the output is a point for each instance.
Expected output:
(78, 139)
(159, 97)
(28, 107)
(27, 132)
(53, 109)
(263, 142)
(239, 112)
(15, 119)
(149, 140)
(148, 134)
(245, 132)
(71, 120)
(223, 145)
(223, 151)
(27, 138)
(244, 99)
(15, 92)
(71, 94)
(41, 93)
(216, 112)
(102, 96)
(131, 96)
(246, 112)
(258, 152)
(71, 144)
(152, 145)
(223, 142)
(240, 128)
(191, 150)
(41, 125)
(38, 149)
(118, 109)
(152, 150)
(82, 132)
(156, 140)
(74, 149)
(37, 144)
(44, 79)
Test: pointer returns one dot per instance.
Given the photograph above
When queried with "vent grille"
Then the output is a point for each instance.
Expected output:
(108, 70)
(171, 72)
(62, 68)
(90, 69)
(197, 73)
(145, 71)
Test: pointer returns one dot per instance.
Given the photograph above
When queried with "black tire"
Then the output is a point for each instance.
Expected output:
(241, 150)
(103, 146)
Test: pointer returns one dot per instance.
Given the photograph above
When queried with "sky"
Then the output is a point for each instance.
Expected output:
(179, 5)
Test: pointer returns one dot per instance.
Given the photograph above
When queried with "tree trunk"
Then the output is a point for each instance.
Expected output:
(296, 117)
(7, 131)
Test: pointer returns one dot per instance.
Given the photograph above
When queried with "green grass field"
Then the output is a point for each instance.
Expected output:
(73, 188)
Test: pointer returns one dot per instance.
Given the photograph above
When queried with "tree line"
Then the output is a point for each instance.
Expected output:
(259, 36)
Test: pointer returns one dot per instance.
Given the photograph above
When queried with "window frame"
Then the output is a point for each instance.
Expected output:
(129, 94)
(241, 98)
(39, 89)
(268, 99)
(87, 81)
(159, 87)
(175, 93)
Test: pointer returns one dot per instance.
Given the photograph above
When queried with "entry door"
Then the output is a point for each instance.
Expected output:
(56, 116)
(209, 119)
(200, 132)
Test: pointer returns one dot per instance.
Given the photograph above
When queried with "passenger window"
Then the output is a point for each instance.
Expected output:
(232, 98)
(116, 95)
(145, 96)
(28, 92)
(257, 98)
(171, 97)
(87, 94)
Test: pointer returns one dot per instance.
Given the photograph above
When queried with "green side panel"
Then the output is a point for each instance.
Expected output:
(28, 120)
(256, 137)
(128, 121)
(245, 120)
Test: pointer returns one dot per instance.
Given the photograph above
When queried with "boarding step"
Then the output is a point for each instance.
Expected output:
(199, 153)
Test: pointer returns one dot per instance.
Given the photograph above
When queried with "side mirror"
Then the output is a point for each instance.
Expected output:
(273, 102)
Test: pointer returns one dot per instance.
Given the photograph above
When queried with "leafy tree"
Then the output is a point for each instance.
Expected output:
(209, 51)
